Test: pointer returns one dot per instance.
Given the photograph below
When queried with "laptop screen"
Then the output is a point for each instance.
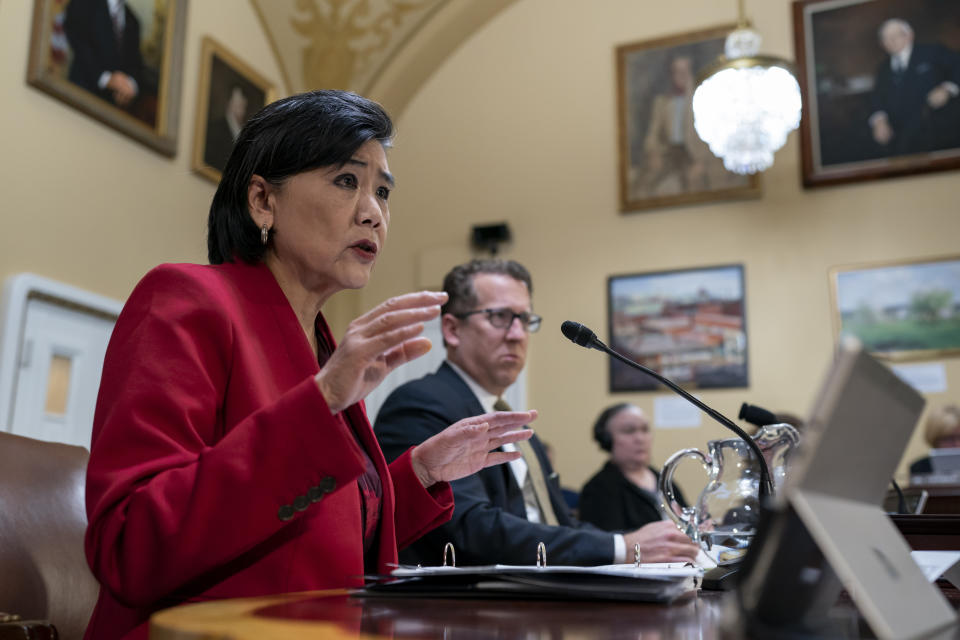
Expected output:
(945, 460)
(858, 429)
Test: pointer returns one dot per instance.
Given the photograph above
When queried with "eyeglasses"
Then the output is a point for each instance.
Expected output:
(503, 318)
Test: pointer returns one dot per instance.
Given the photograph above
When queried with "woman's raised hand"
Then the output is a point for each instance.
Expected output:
(467, 446)
(375, 344)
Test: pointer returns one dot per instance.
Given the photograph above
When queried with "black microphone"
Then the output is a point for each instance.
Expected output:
(584, 337)
(581, 335)
(757, 415)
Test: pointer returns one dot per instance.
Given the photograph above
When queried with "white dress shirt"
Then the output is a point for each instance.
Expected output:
(900, 60)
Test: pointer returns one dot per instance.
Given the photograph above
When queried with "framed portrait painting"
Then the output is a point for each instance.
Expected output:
(230, 91)
(900, 310)
(881, 88)
(663, 161)
(119, 63)
(688, 325)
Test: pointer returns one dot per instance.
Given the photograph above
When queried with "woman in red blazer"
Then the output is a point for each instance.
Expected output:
(231, 452)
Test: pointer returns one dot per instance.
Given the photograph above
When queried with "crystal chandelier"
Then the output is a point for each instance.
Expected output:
(745, 104)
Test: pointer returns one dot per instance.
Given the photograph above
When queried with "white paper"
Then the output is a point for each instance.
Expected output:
(925, 378)
(674, 412)
(648, 570)
(704, 561)
(937, 564)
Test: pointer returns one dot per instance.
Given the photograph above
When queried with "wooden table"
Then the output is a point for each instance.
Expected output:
(334, 614)
(929, 532)
(337, 615)
(942, 498)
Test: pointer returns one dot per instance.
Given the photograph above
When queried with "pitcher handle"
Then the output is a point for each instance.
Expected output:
(667, 496)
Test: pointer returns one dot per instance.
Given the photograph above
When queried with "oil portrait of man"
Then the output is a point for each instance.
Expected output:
(663, 160)
(116, 60)
(231, 91)
(883, 88)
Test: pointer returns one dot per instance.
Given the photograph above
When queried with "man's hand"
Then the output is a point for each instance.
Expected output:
(468, 446)
(882, 131)
(375, 344)
(661, 542)
(122, 88)
(938, 97)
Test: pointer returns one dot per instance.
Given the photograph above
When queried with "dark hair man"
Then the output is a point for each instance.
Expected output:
(501, 514)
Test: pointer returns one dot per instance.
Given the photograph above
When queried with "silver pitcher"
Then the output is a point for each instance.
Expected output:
(724, 517)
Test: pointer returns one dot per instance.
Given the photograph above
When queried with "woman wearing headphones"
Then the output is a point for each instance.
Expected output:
(623, 494)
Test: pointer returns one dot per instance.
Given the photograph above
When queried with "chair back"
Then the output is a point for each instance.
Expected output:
(42, 523)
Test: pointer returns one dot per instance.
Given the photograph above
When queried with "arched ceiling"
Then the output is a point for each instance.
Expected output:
(384, 49)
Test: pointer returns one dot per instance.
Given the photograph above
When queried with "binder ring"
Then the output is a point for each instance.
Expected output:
(636, 555)
(541, 555)
(453, 554)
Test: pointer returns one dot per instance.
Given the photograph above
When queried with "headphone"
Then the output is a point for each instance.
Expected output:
(600, 432)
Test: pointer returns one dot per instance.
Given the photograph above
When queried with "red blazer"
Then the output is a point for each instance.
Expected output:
(216, 468)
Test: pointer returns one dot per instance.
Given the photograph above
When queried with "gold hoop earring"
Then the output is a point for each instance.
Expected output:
(264, 234)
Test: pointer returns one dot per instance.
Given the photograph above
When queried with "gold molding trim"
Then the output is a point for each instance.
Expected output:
(341, 35)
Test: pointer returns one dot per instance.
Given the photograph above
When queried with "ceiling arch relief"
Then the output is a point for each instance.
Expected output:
(384, 49)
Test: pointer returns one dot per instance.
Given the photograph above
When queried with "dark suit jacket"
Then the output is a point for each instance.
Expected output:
(216, 468)
(903, 97)
(489, 522)
(89, 30)
(610, 501)
(921, 466)
(219, 144)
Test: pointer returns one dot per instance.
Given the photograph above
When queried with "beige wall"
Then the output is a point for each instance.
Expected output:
(520, 125)
(85, 204)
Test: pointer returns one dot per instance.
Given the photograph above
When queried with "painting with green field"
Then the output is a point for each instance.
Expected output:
(900, 311)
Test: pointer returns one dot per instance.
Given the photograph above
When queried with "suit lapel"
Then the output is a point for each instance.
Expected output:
(462, 401)
(460, 392)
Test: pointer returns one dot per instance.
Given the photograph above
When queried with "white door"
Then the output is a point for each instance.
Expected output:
(58, 373)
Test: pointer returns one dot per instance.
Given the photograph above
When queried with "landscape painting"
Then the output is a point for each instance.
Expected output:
(900, 311)
(688, 325)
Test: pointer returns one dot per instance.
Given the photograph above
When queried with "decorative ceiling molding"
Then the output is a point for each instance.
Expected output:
(338, 44)
(384, 49)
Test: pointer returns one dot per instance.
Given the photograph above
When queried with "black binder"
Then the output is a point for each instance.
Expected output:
(661, 582)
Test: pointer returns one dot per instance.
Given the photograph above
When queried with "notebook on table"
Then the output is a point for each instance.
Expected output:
(653, 582)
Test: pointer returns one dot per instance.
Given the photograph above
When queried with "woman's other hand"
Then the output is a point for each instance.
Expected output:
(375, 344)
(468, 446)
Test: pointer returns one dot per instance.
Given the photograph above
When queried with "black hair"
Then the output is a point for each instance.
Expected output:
(296, 134)
(458, 283)
(600, 431)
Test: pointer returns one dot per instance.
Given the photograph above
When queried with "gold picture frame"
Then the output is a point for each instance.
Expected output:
(229, 92)
(123, 71)
(662, 160)
(848, 84)
(899, 310)
(689, 325)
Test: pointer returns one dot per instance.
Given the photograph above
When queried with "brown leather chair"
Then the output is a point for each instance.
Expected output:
(43, 571)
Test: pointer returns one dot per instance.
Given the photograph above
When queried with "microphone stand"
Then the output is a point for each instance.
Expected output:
(581, 335)
(720, 577)
(765, 488)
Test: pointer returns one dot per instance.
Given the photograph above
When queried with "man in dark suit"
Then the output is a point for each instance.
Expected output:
(500, 514)
(104, 36)
(915, 107)
(222, 132)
